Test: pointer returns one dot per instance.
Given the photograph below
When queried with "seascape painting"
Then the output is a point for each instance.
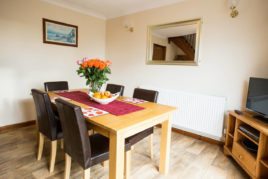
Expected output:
(60, 33)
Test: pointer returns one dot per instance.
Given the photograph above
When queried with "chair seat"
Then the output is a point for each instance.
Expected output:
(139, 136)
(100, 148)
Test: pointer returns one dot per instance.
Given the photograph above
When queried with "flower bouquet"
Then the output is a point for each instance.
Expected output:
(95, 72)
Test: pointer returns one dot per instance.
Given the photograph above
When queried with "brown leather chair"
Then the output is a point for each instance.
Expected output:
(114, 88)
(86, 150)
(53, 86)
(148, 95)
(48, 125)
(56, 85)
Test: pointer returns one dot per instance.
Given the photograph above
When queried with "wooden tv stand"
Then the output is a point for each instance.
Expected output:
(255, 164)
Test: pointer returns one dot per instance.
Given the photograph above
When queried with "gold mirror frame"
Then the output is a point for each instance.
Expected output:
(149, 54)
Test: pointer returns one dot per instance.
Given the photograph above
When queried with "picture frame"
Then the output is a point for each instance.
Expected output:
(59, 33)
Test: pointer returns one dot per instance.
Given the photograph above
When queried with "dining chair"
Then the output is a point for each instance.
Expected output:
(151, 96)
(53, 86)
(114, 88)
(48, 125)
(56, 85)
(86, 150)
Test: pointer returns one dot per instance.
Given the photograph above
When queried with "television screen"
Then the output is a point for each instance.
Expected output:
(257, 99)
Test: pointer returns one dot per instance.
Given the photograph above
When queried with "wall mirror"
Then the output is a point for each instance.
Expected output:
(174, 43)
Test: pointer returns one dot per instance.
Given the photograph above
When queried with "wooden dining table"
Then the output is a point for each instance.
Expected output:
(118, 128)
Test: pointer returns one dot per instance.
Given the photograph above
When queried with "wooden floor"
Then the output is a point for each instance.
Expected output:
(190, 158)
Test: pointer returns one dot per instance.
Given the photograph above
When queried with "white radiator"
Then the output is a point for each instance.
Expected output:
(200, 114)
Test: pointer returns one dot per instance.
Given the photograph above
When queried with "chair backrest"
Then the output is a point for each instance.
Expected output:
(47, 123)
(148, 95)
(75, 134)
(56, 85)
(114, 88)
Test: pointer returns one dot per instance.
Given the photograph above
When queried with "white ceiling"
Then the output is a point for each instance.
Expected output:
(107, 9)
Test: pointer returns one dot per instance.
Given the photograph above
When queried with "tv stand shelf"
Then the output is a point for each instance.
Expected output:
(254, 163)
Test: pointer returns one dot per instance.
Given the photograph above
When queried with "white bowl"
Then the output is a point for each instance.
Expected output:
(104, 101)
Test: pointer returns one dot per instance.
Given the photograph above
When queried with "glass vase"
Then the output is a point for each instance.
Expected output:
(94, 87)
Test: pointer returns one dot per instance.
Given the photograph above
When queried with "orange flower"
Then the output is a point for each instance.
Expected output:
(94, 62)
(102, 66)
(84, 64)
(89, 63)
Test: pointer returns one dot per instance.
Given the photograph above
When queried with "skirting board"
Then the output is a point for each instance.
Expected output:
(16, 126)
(197, 132)
(196, 136)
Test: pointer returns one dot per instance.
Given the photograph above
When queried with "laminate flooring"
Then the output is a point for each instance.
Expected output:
(189, 159)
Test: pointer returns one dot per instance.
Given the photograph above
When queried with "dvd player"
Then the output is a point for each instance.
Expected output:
(250, 132)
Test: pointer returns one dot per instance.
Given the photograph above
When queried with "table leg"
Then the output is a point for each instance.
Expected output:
(117, 150)
(165, 146)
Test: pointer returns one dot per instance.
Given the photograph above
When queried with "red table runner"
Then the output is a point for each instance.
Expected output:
(116, 107)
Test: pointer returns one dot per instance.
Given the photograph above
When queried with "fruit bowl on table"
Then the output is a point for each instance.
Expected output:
(107, 100)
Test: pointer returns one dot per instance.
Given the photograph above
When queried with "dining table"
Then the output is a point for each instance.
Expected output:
(119, 127)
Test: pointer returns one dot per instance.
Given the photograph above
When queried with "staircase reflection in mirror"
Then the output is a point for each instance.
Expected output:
(174, 43)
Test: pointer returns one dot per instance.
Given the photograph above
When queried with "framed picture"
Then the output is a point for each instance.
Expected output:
(59, 33)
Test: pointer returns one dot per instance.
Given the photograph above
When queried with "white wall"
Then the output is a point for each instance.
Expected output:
(231, 50)
(26, 62)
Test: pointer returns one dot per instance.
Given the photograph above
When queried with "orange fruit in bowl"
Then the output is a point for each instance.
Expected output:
(97, 95)
(104, 97)
(107, 93)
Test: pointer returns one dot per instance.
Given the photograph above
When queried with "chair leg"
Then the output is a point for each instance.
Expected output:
(61, 143)
(105, 163)
(40, 145)
(90, 132)
(68, 162)
(151, 141)
(127, 164)
(53, 155)
(87, 173)
(37, 133)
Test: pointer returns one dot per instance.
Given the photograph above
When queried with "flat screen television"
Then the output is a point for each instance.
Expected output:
(257, 99)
